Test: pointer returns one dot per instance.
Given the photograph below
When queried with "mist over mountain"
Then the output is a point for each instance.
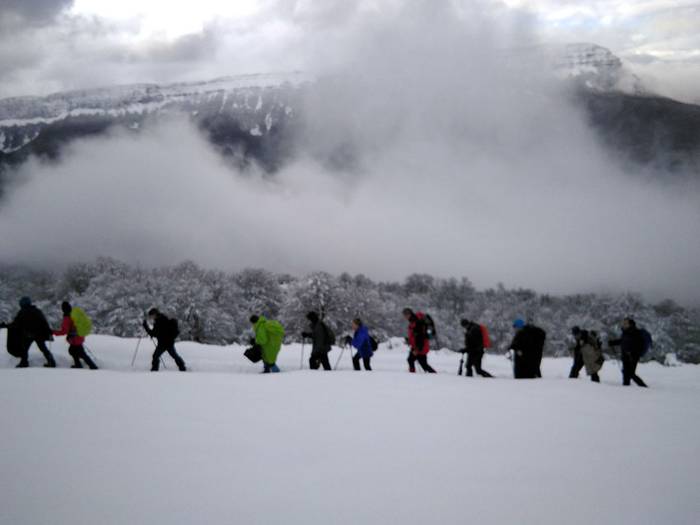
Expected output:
(552, 169)
(257, 118)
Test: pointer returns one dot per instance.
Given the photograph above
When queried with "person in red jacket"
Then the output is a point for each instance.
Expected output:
(76, 348)
(418, 341)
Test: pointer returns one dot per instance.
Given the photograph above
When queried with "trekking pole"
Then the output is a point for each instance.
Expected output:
(461, 365)
(301, 363)
(133, 359)
(89, 352)
(342, 351)
(155, 345)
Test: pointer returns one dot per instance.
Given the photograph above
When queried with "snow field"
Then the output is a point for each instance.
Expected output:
(222, 444)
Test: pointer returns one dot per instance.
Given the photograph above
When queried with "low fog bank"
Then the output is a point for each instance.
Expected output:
(422, 151)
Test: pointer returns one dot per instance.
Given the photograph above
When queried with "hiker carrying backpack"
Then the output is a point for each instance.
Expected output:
(632, 345)
(322, 341)
(166, 331)
(76, 327)
(29, 326)
(418, 340)
(474, 344)
(364, 343)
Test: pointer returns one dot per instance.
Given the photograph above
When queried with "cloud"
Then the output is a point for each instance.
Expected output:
(419, 154)
(81, 49)
(34, 11)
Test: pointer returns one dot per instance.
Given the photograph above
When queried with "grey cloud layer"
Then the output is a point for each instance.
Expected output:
(70, 52)
(34, 10)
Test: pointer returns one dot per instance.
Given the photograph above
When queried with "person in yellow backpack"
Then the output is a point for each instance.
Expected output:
(268, 336)
(76, 341)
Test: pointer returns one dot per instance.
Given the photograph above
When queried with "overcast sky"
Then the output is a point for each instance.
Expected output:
(53, 45)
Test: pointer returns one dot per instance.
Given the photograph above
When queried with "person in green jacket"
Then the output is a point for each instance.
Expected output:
(268, 336)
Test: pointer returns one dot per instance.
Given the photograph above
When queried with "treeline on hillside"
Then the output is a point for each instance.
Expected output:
(214, 306)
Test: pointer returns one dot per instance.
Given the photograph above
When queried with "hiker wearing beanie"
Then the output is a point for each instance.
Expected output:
(75, 341)
(527, 346)
(322, 340)
(417, 341)
(587, 353)
(29, 326)
(165, 330)
(474, 347)
(632, 348)
(362, 342)
(269, 336)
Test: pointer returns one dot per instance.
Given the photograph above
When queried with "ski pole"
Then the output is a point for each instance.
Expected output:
(301, 363)
(339, 358)
(89, 352)
(155, 346)
(461, 365)
(133, 359)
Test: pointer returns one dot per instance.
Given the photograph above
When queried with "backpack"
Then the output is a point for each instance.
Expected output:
(648, 342)
(275, 328)
(172, 329)
(539, 336)
(330, 335)
(15, 341)
(83, 324)
(430, 331)
(594, 340)
(485, 336)
(373, 343)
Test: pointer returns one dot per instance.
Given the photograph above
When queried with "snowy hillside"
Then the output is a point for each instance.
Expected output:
(255, 118)
(596, 67)
(221, 444)
(26, 117)
(257, 102)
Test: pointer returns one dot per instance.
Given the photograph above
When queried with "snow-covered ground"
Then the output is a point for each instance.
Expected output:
(222, 444)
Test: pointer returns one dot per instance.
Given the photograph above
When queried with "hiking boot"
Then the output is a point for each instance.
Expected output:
(77, 366)
(22, 365)
(50, 365)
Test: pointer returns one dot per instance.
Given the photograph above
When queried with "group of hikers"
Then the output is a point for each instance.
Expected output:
(31, 327)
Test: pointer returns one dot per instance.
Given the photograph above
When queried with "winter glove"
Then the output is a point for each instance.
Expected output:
(3, 325)
(348, 340)
(306, 335)
(145, 325)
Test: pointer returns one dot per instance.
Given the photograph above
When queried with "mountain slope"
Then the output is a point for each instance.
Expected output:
(238, 112)
(257, 118)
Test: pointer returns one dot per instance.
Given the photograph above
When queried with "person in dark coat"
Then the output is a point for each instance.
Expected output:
(75, 342)
(165, 331)
(362, 342)
(474, 347)
(586, 353)
(32, 327)
(321, 342)
(417, 341)
(528, 347)
(631, 344)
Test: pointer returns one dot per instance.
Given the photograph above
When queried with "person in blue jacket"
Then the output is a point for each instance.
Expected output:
(362, 342)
